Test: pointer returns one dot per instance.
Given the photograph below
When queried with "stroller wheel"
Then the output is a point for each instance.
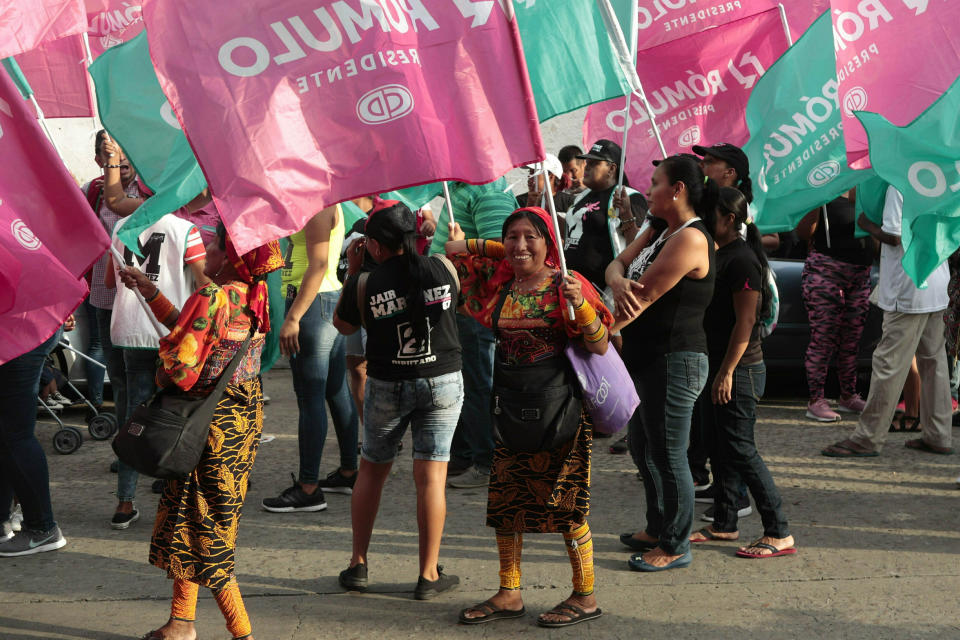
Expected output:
(102, 426)
(67, 440)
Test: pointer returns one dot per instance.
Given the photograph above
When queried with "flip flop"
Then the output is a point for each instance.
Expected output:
(843, 449)
(495, 613)
(919, 444)
(711, 537)
(908, 424)
(572, 611)
(774, 552)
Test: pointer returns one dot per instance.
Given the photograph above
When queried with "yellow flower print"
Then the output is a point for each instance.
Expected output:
(187, 354)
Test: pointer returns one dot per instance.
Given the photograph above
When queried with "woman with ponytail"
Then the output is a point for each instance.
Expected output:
(736, 381)
(662, 284)
(407, 305)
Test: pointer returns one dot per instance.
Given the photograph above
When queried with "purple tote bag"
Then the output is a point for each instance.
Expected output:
(608, 391)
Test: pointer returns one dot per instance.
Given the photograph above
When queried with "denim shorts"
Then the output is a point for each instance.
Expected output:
(357, 343)
(430, 405)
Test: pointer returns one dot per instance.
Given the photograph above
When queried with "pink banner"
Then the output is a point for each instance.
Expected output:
(662, 21)
(57, 72)
(895, 58)
(26, 24)
(47, 231)
(698, 89)
(292, 105)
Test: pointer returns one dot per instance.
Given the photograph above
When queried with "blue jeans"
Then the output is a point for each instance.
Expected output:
(115, 369)
(94, 350)
(320, 373)
(473, 440)
(659, 432)
(23, 465)
(141, 369)
(430, 405)
(736, 460)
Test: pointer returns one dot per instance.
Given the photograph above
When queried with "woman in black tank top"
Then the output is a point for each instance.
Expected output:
(662, 283)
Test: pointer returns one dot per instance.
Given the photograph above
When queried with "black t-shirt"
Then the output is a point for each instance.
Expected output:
(738, 269)
(561, 201)
(841, 219)
(588, 249)
(393, 353)
(675, 321)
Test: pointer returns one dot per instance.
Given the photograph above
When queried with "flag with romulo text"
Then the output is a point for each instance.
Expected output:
(894, 57)
(796, 150)
(49, 235)
(922, 161)
(136, 113)
(291, 105)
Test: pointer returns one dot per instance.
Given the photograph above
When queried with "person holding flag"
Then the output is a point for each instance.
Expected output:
(540, 481)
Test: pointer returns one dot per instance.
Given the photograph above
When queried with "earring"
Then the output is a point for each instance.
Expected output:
(674, 196)
(219, 271)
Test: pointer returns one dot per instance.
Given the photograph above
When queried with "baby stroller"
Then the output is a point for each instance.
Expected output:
(101, 425)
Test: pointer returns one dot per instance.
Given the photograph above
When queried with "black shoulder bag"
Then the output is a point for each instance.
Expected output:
(535, 407)
(165, 436)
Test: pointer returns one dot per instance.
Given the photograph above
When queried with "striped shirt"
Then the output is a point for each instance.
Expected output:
(479, 210)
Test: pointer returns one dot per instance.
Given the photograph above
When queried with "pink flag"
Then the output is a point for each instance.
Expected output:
(57, 72)
(698, 89)
(291, 105)
(895, 58)
(26, 24)
(662, 21)
(47, 230)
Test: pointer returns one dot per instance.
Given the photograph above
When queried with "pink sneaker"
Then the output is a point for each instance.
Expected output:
(821, 411)
(851, 404)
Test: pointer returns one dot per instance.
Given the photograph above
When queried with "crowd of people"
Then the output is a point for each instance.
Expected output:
(462, 340)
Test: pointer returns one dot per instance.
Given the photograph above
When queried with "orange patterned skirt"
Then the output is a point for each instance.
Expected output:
(543, 492)
(195, 532)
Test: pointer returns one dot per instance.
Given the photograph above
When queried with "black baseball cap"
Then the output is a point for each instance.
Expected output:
(606, 150)
(729, 153)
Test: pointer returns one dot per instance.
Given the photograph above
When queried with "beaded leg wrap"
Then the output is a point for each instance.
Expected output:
(580, 549)
(510, 546)
(235, 614)
(184, 605)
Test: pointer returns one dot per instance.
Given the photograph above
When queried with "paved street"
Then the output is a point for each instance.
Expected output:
(879, 542)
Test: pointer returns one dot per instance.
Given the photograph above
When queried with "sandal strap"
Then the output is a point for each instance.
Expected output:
(763, 545)
(562, 608)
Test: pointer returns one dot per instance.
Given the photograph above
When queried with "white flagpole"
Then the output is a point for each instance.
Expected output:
(552, 208)
(446, 196)
(786, 25)
(97, 124)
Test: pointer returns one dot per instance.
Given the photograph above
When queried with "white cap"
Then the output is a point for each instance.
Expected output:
(552, 164)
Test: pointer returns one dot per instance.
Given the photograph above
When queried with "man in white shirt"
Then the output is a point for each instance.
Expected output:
(912, 324)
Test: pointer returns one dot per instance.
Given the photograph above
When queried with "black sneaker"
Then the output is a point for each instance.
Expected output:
(620, 446)
(705, 494)
(742, 512)
(296, 499)
(336, 482)
(427, 589)
(354, 578)
(25, 543)
(124, 520)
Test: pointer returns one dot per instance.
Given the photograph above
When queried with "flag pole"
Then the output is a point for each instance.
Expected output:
(97, 123)
(552, 208)
(786, 25)
(446, 196)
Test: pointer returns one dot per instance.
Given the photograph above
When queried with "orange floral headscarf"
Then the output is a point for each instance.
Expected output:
(252, 268)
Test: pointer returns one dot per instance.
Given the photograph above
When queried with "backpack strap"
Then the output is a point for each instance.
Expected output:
(495, 318)
(362, 296)
(450, 268)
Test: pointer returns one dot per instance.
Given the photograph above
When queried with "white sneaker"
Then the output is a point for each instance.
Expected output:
(60, 399)
(16, 517)
(472, 478)
(6, 531)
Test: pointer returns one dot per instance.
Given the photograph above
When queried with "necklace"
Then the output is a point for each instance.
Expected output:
(532, 278)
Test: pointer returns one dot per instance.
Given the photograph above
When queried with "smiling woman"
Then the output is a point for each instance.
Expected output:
(540, 481)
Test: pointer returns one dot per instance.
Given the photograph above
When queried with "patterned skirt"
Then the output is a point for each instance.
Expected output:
(543, 492)
(195, 532)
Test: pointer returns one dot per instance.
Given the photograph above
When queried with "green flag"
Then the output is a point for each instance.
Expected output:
(796, 143)
(570, 59)
(18, 78)
(922, 161)
(138, 116)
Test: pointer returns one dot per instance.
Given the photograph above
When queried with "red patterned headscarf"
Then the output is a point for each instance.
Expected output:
(504, 272)
(252, 267)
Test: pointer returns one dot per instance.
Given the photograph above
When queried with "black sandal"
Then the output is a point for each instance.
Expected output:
(572, 611)
(907, 424)
(493, 613)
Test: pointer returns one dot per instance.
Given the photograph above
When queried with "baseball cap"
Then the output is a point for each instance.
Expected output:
(606, 150)
(552, 164)
(729, 153)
